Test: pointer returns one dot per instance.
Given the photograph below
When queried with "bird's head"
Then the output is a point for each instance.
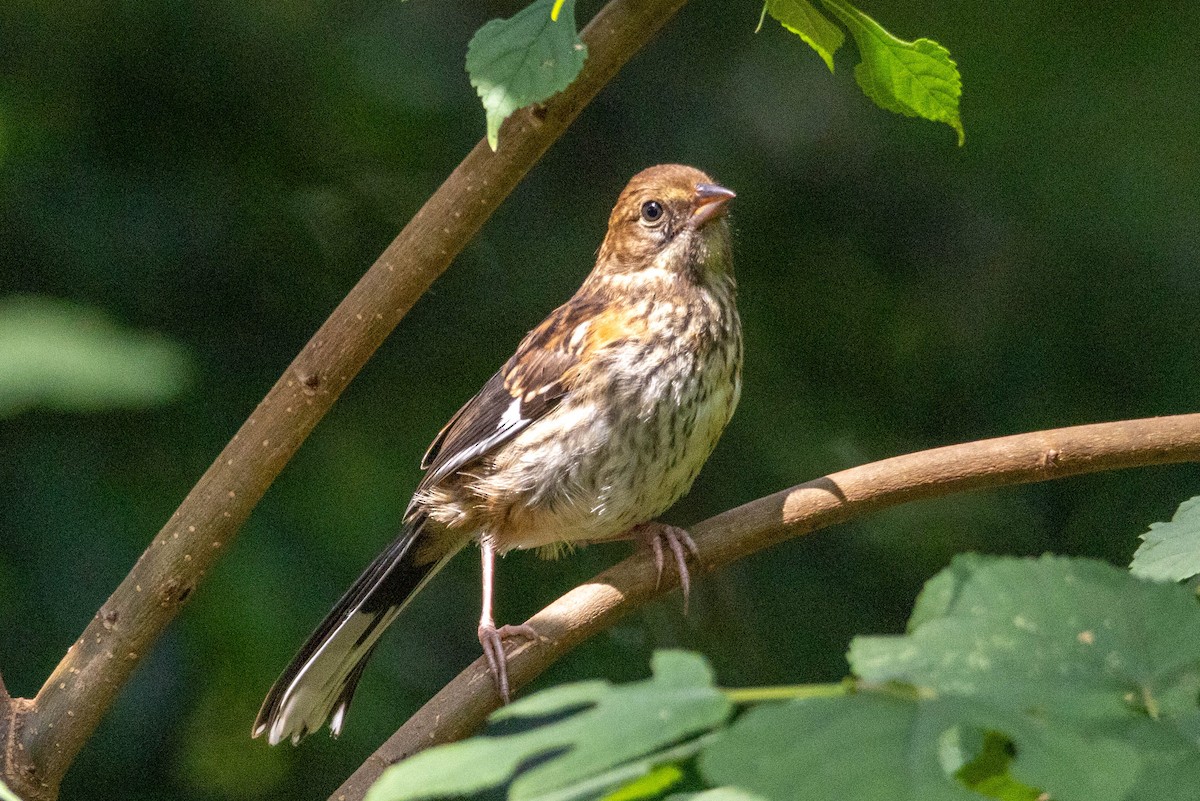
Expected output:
(669, 219)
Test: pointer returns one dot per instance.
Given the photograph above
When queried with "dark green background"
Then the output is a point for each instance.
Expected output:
(221, 172)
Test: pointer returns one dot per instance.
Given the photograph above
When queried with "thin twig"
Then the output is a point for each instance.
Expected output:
(462, 705)
(85, 683)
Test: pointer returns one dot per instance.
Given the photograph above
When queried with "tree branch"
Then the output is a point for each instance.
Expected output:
(462, 705)
(83, 686)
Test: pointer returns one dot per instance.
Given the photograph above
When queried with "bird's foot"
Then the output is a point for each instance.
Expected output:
(677, 541)
(492, 640)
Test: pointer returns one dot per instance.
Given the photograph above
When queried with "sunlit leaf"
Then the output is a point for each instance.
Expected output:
(1171, 551)
(525, 59)
(989, 771)
(63, 356)
(917, 79)
(803, 19)
(569, 735)
(650, 785)
(7, 794)
(1018, 680)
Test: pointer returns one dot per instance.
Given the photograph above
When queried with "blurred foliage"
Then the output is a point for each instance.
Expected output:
(1018, 677)
(221, 173)
(588, 732)
(65, 357)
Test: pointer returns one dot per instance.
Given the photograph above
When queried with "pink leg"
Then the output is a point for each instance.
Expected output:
(678, 541)
(490, 637)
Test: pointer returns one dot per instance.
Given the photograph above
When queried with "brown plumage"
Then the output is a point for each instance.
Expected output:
(598, 423)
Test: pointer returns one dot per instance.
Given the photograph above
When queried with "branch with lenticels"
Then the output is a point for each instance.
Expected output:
(40, 738)
(462, 705)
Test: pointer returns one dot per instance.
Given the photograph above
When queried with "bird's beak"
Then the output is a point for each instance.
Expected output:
(709, 201)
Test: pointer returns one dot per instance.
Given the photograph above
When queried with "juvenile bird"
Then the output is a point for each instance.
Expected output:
(598, 423)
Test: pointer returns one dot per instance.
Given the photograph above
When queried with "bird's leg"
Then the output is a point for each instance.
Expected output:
(490, 637)
(678, 541)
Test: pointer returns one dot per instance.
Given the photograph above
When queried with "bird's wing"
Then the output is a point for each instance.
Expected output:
(529, 386)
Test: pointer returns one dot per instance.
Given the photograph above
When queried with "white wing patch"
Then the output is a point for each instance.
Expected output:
(511, 416)
(510, 423)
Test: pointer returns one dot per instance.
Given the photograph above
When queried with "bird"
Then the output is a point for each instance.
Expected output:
(597, 424)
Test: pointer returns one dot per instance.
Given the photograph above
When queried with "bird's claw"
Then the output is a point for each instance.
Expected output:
(679, 542)
(492, 641)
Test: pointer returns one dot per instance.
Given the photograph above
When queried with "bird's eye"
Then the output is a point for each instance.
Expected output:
(652, 211)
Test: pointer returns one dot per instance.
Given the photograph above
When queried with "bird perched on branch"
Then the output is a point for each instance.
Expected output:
(598, 423)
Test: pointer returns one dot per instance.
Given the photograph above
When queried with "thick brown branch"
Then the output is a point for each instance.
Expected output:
(462, 705)
(83, 686)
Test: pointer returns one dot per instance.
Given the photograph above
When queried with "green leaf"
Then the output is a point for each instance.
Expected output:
(570, 736)
(1069, 636)
(1090, 671)
(716, 794)
(7, 794)
(868, 746)
(803, 19)
(1067, 760)
(525, 59)
(876, 745)
(987, 773)
(1171, 551)
(63, 356)
(917, 79)
(650, 785)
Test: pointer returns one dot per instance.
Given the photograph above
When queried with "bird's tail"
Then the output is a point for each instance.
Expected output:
(320, 681)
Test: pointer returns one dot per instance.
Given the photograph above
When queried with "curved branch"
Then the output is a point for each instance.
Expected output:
(79, 692)
(462, 705)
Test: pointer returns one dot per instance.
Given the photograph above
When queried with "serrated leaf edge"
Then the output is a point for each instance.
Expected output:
(859, 23)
